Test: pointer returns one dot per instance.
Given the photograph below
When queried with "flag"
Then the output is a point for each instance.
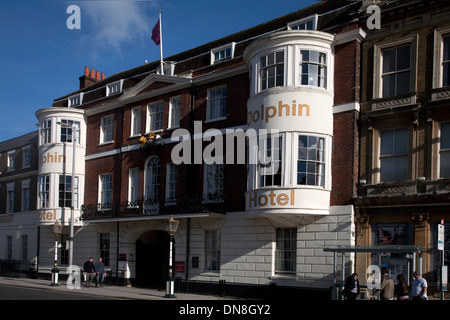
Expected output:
(156, 33)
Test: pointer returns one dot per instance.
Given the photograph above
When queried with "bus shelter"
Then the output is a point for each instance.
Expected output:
(412, 253)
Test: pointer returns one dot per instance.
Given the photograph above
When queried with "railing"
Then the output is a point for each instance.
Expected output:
(16, 268)
(213, 203)
(406, 188)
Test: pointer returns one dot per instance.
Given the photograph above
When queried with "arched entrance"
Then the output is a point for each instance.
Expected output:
(152, 258)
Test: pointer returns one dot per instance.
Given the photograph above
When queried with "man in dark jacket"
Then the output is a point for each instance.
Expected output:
(89, 271)
(100, 269)
(351, 289)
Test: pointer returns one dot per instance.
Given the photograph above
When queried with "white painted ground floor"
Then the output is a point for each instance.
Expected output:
(234, 247)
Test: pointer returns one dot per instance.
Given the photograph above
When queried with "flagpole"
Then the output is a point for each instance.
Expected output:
(161, 44)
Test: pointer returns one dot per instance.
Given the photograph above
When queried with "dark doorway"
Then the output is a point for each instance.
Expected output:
(152, 259)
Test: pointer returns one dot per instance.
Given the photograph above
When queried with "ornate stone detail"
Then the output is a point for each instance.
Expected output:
(420, 219)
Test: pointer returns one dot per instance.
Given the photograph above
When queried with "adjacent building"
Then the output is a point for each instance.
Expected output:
(18, 183)
(404, 184)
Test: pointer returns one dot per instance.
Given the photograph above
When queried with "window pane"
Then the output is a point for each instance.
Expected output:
(445, 135)
(389, 85)
(389, 60)
(445, 164)
(400, 168)
(403, 82)
(446, 74)
(401, 141)
(446, 55)
(386, 169)
(403, 58)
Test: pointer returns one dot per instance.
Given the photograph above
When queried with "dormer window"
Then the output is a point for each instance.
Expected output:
(114, 87)
(308, 23)
(223, 53)
(168, 68)
(75, 100)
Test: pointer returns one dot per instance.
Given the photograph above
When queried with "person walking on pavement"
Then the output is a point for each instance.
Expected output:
(100, 269)
(387, 286)
(89, 271)
(402, 288)
(419, 287)
(351, 289)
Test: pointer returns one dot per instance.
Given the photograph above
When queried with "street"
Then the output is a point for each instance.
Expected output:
(22, 293)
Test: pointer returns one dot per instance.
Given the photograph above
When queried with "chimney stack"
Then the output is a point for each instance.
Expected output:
(90, 77)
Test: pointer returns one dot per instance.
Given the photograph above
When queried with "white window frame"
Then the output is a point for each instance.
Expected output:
(68, 192)
(11, 161)
(25, 203)
(103, 192)
(104, 139)
(377, 153)
(114, 87)
(133, 187)
(10, 197)
(152, 179)
(174, 112)
(26, 156)
(322, 74)
(439, 35)
(75, 100)
(210, 179)
(46, 131)
(262, 169)
(212, 250)
(68, 131)
(222, 52)
(168, 68)
(447, 151)
(171, 182)
(44, 192)
(136, 116)
(152, 115)
(378, 64)
(261, 69)
(211, 102)
(281, 250)
(295, 24)
(320, 179)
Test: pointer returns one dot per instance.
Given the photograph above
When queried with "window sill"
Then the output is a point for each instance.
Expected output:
(105, 143)
(215, 119)
(155, 131)
(211, 273)
(394, 102)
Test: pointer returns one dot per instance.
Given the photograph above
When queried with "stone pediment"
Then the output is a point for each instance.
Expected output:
(156, 84)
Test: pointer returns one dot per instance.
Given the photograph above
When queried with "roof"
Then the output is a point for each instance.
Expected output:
(331, 13)
(14, 143)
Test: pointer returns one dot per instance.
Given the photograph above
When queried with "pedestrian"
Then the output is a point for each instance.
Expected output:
(387, 285)
(401, 289)
(419, 287)
(351, 289)
(89, 271)
(100, 269)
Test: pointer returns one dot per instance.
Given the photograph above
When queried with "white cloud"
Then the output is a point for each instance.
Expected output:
(116, 23)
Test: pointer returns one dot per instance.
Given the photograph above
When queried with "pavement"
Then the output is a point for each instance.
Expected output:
(107, 291)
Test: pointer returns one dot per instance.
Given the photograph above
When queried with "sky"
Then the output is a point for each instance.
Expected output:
(41, 58)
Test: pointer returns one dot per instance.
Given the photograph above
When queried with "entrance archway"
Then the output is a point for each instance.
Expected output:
(152, 258)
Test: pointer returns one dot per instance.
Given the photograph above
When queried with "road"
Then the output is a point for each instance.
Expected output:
(20, 293)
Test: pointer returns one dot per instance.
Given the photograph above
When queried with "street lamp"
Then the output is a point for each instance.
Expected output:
(57, 229)
(171, 226)
(72, 206)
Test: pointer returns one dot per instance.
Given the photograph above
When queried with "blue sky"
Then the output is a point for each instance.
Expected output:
(41, 59)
